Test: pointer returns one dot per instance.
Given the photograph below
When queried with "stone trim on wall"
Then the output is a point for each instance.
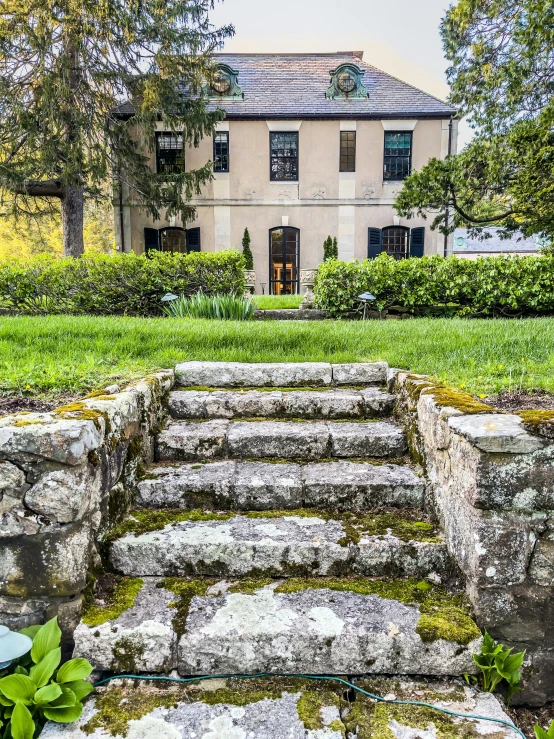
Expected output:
(65, 477)
(491, 483)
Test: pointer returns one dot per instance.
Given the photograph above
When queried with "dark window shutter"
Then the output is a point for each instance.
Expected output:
(151, 239)
(193, 239)
(417, 242)
(374, 242)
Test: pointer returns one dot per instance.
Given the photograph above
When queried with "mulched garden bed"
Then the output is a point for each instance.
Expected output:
(15, 404)
(521, 401)
(526, 718)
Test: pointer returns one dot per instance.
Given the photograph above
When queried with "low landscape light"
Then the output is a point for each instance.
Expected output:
(168, 297)
(12, 646)
(366, 299)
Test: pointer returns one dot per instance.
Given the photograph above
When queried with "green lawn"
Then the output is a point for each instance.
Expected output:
(272, 302)
(60, 353)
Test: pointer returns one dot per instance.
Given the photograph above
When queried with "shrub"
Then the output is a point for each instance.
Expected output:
(122, 284)
(489, 286)
(34, 688)
(330, 249)
(247, 251)
(221, 307)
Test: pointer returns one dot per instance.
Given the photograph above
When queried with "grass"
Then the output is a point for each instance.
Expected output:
(54, 354)
(273, 302)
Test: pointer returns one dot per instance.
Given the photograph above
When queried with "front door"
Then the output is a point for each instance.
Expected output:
(284, 261)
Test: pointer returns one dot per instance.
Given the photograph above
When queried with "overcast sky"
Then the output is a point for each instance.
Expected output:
(399, 36)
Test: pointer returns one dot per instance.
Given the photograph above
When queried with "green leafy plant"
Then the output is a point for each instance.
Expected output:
(498, 664)
(123, 284)
(541, 733)
(220, 307)
(247, 251)
(434, 285)
(35, 688)
(330, 249)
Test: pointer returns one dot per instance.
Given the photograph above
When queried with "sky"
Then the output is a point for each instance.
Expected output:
(400, 37)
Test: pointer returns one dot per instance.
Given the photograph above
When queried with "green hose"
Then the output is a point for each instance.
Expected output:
(315, 677)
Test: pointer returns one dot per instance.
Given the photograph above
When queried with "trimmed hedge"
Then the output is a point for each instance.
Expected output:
(488, 286)
(123, 284)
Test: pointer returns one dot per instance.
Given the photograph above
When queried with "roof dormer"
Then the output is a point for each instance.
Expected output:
(346, 82)
(224, 84)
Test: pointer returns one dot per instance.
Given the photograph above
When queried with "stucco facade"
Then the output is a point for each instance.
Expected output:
(322, 201)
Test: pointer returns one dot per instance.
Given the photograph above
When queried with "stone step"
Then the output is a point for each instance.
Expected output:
(279, 708)
(289, 374)
(318, 626)
(249, 486)
(335, 403)
(276, 544)
(197, 440)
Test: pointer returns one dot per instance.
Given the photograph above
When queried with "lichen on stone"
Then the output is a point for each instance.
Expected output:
(457, 399)
(121, 598)
(443, 616)
(80, 412)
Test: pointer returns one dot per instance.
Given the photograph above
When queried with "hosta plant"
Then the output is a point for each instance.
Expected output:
(35, 688)
(498, 664)
(541, 733)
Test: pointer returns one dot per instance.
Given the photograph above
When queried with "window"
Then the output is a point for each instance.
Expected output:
(398, 155)
(172, 239)
(395, 241)
(283, 156)
(284, 260)
(347, 151)
(169, 153)
(221, 152)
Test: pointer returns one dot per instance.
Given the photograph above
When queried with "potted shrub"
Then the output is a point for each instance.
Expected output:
(249, 271)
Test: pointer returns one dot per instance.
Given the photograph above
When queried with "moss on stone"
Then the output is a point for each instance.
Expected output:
(372, 720)
(309, 708)
(443, 616)
(115, 707)
(249, 585)
(121, 599)
(185, 590)
(143, 521)
(452, 398)
(126, 653)
(540, 422)
(80, 412)
(23, 422)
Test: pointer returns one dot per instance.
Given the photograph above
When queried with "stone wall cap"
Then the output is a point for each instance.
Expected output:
(496, 433)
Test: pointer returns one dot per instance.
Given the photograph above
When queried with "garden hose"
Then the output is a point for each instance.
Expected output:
(316, 677)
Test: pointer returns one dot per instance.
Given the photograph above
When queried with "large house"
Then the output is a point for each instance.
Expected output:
(312, 145)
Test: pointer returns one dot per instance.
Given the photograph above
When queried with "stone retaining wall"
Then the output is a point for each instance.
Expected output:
(65, 476)
(491, 479)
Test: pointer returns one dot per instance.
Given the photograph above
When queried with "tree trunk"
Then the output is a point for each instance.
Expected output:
(72, 221)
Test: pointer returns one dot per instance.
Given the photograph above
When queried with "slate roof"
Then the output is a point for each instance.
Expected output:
(294, 85)
(494, 244)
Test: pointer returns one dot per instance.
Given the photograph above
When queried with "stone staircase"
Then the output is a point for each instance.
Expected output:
(281, 529)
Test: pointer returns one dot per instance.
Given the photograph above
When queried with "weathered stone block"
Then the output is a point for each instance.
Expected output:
(377, 403)
(66, 495)
(379, 556)
(290, 711)
(235, 547)
(324, 404)
(52, 562)
(187, 441)
(376, 439)
(496, 433)
(359, 487)
(314, 631)
(278, 439)
(258, 486)
(364, 373)
(188, 486)
(141, 639)
(40, 436)
(238, 374)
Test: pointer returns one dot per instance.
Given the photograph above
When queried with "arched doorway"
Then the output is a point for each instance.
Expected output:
(284, 261)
